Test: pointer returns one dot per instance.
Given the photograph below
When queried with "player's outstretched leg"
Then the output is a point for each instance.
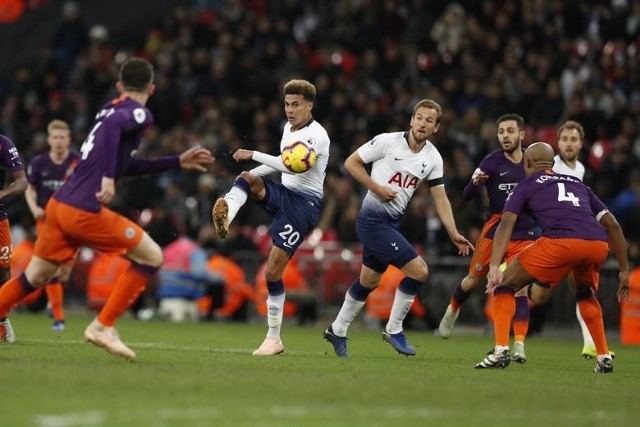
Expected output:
(495, 359)
(448, 321)
(339, 343)
(6, 331)
(399, 343)
(107, 338)
(220, 217)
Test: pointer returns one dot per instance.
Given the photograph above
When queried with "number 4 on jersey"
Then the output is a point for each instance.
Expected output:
(563, 196)
(88, 144)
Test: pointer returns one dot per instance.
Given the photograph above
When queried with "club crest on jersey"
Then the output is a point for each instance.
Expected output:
(139, 115)
(404, 181)
(129, 233)
(311, 142)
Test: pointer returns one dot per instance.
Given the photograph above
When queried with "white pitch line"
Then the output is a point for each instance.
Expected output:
(297, 412)
(164, 346)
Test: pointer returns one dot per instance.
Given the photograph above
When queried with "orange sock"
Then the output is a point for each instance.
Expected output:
(12, 292)
(55, 296)
(488, 308)
(592, 315)
(128, 287)
(504, 306)
(521, 318)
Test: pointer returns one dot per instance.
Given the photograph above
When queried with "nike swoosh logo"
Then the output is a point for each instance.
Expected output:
(503, 173)
(398, 159)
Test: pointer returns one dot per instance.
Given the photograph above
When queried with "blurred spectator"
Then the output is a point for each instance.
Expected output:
(341, 209)
(101, 277)
(379, 303)
(183, 279)
(234, 304)
(70, 38)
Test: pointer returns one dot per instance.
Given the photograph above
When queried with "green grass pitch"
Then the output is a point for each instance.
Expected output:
(204, 375)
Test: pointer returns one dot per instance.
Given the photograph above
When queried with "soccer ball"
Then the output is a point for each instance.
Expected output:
(298, 157)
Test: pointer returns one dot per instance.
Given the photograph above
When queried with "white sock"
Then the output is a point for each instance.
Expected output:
(586, 336)
(275, 309)
(236, 198)
(500, 348)
(347, 314)
(401, 305)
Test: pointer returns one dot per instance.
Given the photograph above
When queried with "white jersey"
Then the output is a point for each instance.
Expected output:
(395, 165)
(311, 181)
(560, 166)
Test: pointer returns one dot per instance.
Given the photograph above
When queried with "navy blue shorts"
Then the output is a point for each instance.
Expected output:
(383, 244)
(294, 214)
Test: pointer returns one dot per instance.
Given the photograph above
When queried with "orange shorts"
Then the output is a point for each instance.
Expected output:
(5, 244)
(481, 258)
(67, 228)
(550, 260)
(39, 226)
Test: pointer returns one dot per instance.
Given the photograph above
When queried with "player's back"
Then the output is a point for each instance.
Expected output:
(107, 151)
(561, 205)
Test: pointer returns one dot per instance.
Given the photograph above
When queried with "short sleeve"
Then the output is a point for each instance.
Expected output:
(373, 150)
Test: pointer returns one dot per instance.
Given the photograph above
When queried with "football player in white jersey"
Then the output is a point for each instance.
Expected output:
(295, 204)
(570, 136)
(401, 160)
(570, 139)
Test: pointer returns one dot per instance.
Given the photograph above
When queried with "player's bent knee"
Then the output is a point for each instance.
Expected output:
(64, 272)
(370, 284)
(538, 295)
(148, 252)
(422, 273)
(40, 271)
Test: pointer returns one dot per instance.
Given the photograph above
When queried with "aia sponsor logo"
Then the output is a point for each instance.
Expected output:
(404, 181)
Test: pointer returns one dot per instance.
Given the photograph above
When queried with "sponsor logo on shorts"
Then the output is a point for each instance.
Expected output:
(129, 232)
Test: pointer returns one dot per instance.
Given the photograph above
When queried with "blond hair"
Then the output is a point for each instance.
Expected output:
(57, 125)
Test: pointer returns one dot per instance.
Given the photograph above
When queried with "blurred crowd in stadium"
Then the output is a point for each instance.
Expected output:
(220, 67)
